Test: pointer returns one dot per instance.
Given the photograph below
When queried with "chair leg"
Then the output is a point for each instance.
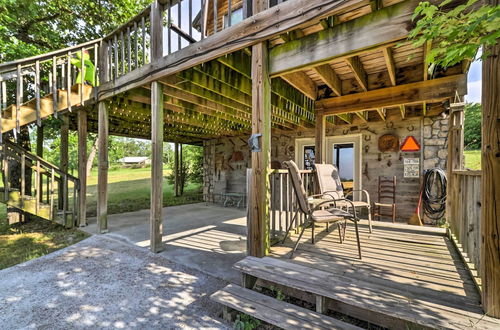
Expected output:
(298, 241)
(312, 233)
(370, 218)
(357, 237)
(393, 213)
(339, 224)
(289, 227)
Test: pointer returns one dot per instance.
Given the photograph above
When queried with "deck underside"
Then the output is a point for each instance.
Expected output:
(414, 273)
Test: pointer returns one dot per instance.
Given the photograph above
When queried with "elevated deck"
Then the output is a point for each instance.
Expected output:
(408, 277)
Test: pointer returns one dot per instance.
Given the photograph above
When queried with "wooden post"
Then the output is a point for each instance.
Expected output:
(156, 229)
(320, 139)
(455, 158)
(39, 153)
(176, 169)
(82, 167)
(490, 191)
(102, 170)
(258, 221)
(64, 158)
(156, 220)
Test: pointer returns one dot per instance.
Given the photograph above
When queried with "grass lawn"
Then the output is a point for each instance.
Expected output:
(473, 159)
(129, 190)
(23, 242)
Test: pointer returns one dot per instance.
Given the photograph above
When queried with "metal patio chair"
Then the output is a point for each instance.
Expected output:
(331, 187)
(315, 214)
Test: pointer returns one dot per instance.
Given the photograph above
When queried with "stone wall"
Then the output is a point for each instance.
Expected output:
(226, 159)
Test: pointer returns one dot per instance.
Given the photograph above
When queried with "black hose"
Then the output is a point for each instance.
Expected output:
(434, 193)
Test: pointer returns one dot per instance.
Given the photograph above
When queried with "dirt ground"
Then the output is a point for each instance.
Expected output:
(102, 282)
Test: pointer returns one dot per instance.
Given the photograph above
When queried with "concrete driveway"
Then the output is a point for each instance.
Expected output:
(102, 282)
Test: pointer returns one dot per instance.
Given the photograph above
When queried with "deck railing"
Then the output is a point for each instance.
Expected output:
(49, 185)
(465, 216)
(284, 205)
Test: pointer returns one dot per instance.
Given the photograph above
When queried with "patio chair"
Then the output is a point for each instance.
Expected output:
(331, 187)
(316, 214)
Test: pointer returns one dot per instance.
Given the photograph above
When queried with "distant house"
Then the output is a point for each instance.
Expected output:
(135, 161)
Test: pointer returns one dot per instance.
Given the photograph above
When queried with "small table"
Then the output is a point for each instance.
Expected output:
(233, 198)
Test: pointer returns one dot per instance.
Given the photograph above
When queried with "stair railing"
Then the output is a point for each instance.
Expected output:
(55, 181)
(30, 79)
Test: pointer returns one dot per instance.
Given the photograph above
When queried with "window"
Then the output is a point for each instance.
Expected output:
(309, 157)
(236, 17)
(343, 159)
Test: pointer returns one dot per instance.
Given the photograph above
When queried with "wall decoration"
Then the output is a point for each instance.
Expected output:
(411, 167)
(388, 142)
(410, 144)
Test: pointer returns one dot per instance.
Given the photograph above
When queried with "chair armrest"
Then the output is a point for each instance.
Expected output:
(364, 193)
(349, 202)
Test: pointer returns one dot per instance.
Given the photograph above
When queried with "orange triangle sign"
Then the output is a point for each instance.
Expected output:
(410, 144)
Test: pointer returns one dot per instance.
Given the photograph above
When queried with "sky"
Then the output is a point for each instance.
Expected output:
(474, 82)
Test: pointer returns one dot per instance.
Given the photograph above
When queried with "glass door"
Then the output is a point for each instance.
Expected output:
(345, 153)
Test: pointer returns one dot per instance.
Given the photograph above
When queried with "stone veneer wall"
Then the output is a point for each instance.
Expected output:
(226, 159)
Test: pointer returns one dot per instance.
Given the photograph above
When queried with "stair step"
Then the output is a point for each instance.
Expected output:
(273, 311)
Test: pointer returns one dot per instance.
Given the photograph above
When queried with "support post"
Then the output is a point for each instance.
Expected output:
(258, 213)
(102, 170)
(455, 158)
(320, 139)
(156, 225)
(63, 159)
(39, 153)
(490, 182)
(82, 167)
(176, 169)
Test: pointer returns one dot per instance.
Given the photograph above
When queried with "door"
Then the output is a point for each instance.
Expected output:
(345, 153)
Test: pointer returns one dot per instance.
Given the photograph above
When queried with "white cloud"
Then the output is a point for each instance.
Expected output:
(474, 92)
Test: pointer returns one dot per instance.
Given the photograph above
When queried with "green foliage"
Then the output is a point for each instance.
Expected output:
(278, 293)
(472, 159)
(31, 27)
(191, 165)
(456, 34)
(472, 126)
(246, 322)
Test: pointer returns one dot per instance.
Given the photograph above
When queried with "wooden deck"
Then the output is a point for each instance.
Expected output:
(410, 271)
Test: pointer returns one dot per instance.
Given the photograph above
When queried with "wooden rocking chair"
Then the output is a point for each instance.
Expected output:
(316, 214)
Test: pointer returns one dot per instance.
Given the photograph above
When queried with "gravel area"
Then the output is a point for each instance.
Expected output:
(102, 282)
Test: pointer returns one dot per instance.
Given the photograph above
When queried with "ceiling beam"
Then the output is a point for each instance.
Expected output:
(330, 78)
(382, 113)
(435, 90)
(359, 72)
(389, 62)
(302, 82)
(427, 48)
(363, 115)
(372, 30)
(345, 117)
(402, 109)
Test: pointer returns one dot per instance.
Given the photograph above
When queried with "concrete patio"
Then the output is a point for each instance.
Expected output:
(207, 238)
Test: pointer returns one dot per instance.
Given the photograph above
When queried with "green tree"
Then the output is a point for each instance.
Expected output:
(472, 126)
(191, 166)
(456, 34)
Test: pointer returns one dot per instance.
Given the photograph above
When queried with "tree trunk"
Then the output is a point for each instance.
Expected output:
(92, 154)
(490, 166)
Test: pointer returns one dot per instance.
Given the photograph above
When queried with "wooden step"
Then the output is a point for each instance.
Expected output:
(373, 303)
(273, 311)
(28, 204)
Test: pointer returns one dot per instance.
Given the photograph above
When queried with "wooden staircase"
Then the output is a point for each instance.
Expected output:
(27, 112)
(52, 194)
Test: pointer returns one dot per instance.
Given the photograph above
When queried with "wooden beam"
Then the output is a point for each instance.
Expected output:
(435, 90)
(176, 170)
(102, 168)
(330, 78)
(63, 164)
(358, 70)
(302, 82)
(291, 15)
(490, 182)
(382, 113)
(402, 110)
(427, 48)
(258, 212)
(82, 167)
(363, 115)
(389, 62)
(156, 220)
(345, 117)
(320, 136)
(385, 26)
